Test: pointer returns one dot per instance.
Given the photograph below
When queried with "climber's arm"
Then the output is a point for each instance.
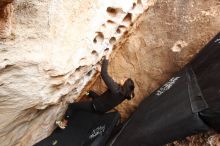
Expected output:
(110, 83)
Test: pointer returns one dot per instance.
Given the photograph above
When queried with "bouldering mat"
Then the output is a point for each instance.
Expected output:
(187, 104)
(84, 129)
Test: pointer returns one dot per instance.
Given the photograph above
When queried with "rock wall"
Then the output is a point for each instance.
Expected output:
(6, 11)
(49, 50)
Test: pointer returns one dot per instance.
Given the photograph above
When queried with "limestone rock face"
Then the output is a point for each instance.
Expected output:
(6, 11)
(49, 50)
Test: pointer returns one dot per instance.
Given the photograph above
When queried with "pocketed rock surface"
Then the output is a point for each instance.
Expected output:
(49, 51)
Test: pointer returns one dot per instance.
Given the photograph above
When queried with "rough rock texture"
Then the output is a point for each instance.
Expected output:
(6, 11)
(203, 139)
(49, 50)
(162, 40)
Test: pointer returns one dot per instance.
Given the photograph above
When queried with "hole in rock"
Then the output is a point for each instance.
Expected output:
(103, 26)
(89, 73)
(106, 50)
(98, 38)
(139, 5)
(127, 18)
(121, 28)
(139, 2)
(134, 5)
(112, 40)
(113, 11)
(82, 59)
(179, 45)
(126, 32)
(110, 22)
(94, 52)
(78, 69)
(118, 30)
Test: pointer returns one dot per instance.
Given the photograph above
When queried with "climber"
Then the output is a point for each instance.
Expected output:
(113, 96)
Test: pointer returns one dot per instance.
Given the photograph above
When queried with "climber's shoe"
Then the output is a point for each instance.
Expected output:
(132, 95)
(54, 142)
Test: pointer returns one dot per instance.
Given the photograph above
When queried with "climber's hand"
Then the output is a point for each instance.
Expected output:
(103, 58)
(62, 124)
(98, 67)
(104, 62)
(87, 93)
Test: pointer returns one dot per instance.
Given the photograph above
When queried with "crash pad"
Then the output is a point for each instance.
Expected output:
(84, 129)
(187, 104)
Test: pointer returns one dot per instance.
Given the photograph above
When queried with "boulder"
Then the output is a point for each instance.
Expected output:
(49, 50)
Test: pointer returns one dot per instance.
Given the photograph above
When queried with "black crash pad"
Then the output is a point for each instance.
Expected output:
(84, 129)
(187, 104)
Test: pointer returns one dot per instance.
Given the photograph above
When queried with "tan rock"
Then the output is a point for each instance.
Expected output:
(48, 53)
(6, 11)
(50, 50)
(214, 140)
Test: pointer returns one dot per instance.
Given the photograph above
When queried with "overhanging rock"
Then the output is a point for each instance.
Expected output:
(48, 52)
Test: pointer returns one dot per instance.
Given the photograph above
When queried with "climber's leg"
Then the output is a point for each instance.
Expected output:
(85, 106)
(77, 106)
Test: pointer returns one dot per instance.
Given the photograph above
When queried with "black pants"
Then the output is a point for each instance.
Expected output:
(83, 106)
